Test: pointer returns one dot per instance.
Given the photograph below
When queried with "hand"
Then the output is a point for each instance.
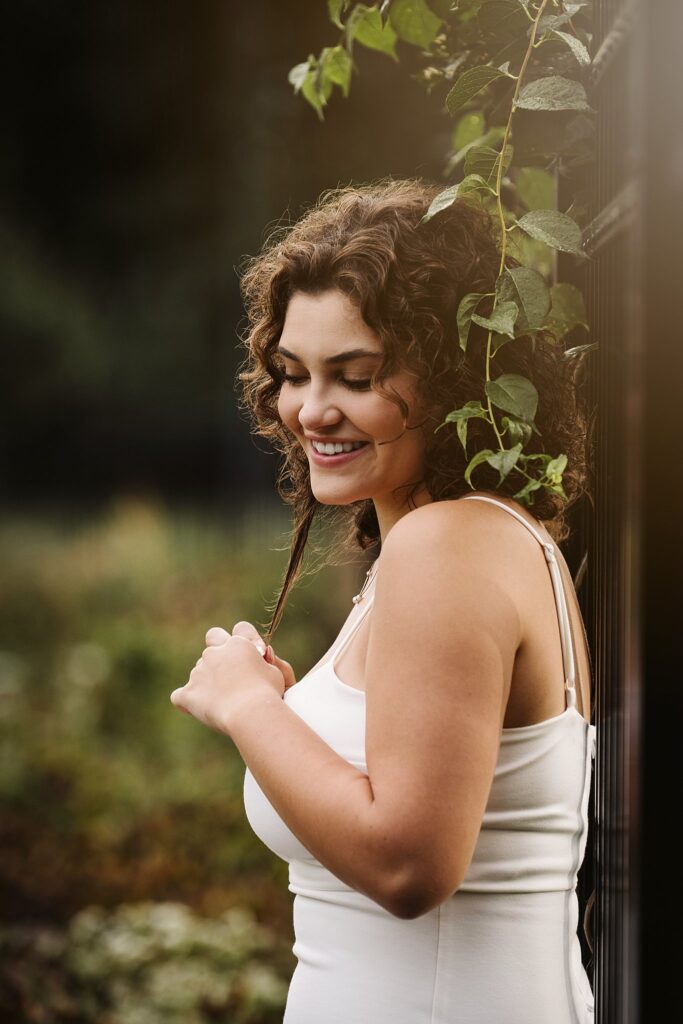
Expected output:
(231, 673)
(246, 629)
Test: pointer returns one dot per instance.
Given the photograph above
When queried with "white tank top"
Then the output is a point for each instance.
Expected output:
(534, 830)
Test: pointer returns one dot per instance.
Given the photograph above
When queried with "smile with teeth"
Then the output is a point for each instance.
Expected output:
(336, 449)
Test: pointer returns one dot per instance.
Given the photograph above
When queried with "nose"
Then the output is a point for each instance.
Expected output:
(317, 410)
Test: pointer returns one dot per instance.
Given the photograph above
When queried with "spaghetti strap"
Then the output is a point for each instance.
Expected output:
(341, 643)
(560, 597)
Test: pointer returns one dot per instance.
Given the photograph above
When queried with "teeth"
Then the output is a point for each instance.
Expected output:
(336, 449)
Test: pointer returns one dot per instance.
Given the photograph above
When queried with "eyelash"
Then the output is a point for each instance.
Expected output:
(354, 385)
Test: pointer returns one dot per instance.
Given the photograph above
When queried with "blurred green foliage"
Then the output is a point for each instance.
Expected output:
(109, 797)
(148, 963)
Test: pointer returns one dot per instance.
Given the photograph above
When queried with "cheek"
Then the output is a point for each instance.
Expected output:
(285, 409)
(384, 417)
(388, 414)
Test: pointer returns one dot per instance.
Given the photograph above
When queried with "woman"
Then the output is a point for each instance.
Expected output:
(428, 780)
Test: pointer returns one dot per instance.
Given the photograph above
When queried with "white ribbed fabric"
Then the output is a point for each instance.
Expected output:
(504, 948)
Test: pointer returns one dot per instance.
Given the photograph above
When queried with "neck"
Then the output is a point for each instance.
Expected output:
(388, 512)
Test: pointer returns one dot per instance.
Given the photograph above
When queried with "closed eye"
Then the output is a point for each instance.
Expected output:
(354, 385)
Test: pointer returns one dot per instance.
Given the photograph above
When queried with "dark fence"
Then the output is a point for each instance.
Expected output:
(626, 556)
(659, 88)
(612, 532)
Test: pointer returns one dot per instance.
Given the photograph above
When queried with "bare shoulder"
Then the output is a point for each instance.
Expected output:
(470, 538)
(465, 514)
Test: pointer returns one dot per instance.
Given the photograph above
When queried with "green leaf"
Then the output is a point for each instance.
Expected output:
(576, 46)
(461, 416)
(414, 22)
(309, 79)
(297, 75)
(384, 11)
(498, 340)
(554, 93)
(528, 289)
(469, 128)
(540, 457)
(535, 188)
(441, 202)
(524, 493)
(567, 311)
(505, 460)
(316, 89)
(555, 469)
(552, 476)
(501, 21)
(555, 229)
(549, 22)
(532, 254)
(502, 319)
(484, 161)
(336, 66)
(513, 393)
(510, 53)
(469, 84)
(481, 456)
(491, 138)
(466, 412)
(518, 431)
(467, 305)
(334, 9)
(542, 135)
(365, 26)
(474, 182)
(578, 350)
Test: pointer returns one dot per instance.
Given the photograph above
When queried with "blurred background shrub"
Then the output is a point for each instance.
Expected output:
(149, 963)
(110, 798)
(147, 149)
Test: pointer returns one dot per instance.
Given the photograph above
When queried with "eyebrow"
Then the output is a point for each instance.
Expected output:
(341, 357)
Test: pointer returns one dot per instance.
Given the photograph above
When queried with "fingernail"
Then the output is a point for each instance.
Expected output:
(261, 647)
(270, 653)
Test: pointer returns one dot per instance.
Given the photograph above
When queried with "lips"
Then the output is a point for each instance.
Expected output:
(337, 459)
(315, 444)
(336, 440)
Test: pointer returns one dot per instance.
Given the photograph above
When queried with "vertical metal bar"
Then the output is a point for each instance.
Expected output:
(662, 494)
(611, 530)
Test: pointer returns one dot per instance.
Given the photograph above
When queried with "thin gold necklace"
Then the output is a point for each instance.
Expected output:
(369, 576)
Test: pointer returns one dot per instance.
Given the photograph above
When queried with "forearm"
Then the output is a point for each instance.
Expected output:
(326, 802)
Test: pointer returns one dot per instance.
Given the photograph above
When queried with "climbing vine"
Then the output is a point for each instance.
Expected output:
(510, 72)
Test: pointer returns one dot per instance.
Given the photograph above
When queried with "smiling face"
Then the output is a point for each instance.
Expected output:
(330, 399)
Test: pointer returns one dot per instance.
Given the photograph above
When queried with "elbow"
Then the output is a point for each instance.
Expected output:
(409, 906)
(418, 893)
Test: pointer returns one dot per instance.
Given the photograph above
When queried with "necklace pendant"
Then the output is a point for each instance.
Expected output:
(359, 596)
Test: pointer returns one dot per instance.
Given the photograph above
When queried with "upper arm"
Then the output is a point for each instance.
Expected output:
(443, 637)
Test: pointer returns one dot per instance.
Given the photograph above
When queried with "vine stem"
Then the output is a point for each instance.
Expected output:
(499, 178)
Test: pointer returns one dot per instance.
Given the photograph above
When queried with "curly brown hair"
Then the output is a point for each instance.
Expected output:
(407, 279)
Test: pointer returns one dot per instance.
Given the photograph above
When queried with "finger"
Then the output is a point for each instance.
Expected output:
(216, 636)
(176, 698)
(248, 631)
(284, 666)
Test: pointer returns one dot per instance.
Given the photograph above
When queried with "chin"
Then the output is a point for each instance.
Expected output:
(341, 496)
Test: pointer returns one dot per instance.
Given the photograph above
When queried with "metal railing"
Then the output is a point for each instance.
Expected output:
(608, 531)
